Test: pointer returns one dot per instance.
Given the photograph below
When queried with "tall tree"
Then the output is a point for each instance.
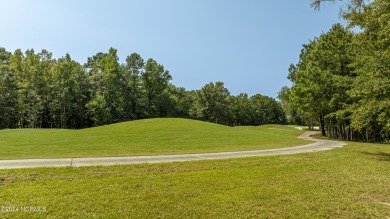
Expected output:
(323, 76)
(30, 88)
(292, 114)
(176, 102)
(4, 56)
(265, 110)
(239, 109)
(154, 80)
(213, 100)
(8, 98)
(371, 109)
(106, 78)
(133, 92)
(8, 92)
(69, 94)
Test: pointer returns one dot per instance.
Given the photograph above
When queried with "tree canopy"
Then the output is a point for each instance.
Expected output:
(342, 79)
(38, 91)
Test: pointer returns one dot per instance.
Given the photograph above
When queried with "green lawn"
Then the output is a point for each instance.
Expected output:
(350, 182)
(144, 137)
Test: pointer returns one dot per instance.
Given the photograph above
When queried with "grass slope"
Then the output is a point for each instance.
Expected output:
(350, 182)
(143, 137)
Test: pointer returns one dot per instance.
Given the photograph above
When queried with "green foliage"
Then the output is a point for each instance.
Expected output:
(98, 110)
(133, 94)
(213, 102)
(4, 56)
(155, 80)
(265, 110)
(291, 111)
(343, 78)
(239, 109)
(371, 89)
(8, 98)
(322, 77)
(106, 75)
(352, 4)
(41, 92)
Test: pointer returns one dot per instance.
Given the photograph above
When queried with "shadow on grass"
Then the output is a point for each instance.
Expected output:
(382, 156)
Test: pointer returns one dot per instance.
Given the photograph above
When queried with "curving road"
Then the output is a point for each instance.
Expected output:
(318, 145)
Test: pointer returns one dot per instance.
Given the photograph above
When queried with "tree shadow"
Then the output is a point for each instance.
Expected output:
(382, 156)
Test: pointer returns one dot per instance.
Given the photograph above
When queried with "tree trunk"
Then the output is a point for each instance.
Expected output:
(322, 125)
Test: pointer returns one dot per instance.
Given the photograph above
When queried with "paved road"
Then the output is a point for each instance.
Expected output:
(318, 145)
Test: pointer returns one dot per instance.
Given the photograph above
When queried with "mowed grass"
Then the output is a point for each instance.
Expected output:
(144, 137)
(349, 182)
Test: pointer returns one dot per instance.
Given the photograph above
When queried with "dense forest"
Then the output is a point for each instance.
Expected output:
(38, 91)
(342, 79)
(341, 83)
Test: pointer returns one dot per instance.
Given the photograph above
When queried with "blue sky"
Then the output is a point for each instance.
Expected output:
(248, 44)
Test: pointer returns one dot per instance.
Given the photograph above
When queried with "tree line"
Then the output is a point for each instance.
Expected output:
(342, 79)
(38, 91)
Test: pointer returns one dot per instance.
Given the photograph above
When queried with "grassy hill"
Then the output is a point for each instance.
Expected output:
(144, 137)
